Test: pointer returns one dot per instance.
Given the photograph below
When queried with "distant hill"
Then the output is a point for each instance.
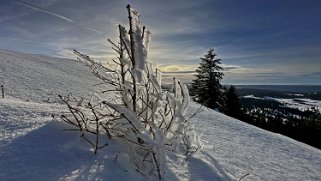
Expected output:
(290, 88)
(277, 93)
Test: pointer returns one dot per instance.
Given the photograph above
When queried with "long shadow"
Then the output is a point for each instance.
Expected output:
(48, 153)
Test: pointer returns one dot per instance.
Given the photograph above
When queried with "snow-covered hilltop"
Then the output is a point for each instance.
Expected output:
(33, 145)
(37, 78)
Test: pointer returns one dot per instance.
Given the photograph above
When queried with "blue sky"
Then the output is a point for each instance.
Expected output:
(259, 41)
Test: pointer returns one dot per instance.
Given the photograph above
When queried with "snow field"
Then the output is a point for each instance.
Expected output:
(33, 145)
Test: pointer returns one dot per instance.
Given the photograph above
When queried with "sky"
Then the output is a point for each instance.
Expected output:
(259, 41)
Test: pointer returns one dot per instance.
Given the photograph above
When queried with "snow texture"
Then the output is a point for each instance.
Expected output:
(296, 103)
(33, 145)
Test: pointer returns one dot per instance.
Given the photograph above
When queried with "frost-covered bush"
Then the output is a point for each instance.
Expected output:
(149, 120)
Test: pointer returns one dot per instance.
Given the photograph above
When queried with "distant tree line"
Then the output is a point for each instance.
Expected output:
(305, 128)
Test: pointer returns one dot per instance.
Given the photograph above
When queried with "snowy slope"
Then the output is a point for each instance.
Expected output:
(32, 84)
(33, 145)
(37, 78)
(242, 148)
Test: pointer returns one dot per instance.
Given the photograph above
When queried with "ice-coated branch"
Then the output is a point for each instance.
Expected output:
(132, 48)
(142, 115)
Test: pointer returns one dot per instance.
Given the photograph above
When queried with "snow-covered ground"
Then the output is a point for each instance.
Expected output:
(300, 103)
(296, 103)
(33, 145)
(36, 78)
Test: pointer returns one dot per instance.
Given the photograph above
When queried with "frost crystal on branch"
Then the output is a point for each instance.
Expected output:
(148, 119)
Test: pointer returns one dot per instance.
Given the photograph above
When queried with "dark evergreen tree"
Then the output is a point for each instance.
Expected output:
(207, 88)
(232, 103)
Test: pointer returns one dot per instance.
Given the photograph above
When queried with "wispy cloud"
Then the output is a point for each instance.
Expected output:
(228, 68)
(176, 68)
(55, 14)
(44, 11)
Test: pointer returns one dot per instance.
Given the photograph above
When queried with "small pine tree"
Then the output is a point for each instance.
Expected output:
(207, 88)
(232, 103)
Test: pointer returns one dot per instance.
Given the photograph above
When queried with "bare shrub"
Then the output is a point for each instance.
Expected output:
(149, 120)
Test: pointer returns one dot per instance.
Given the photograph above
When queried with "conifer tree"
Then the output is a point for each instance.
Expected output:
(232, 103)
(207, 88)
